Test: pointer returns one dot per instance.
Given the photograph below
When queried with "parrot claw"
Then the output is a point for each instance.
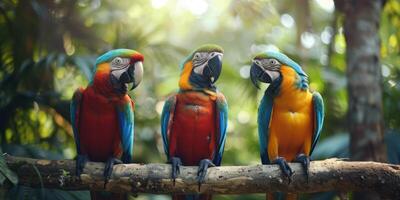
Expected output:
(284, 166)
(202, 171)
(108, 168)
(305, 162)
(176, 164)
(81, 161)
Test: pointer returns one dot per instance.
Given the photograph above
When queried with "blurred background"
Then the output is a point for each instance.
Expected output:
(48, 49)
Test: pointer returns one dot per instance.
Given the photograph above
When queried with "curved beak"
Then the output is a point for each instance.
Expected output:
(133, 74)
(258, 74)
(214, 67)
(138, 75)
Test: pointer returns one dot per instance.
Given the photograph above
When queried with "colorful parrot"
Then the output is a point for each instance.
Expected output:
(194, 121)
(102, 114)
(290, 117)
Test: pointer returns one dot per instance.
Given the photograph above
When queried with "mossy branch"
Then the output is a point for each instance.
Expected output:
(325, 175)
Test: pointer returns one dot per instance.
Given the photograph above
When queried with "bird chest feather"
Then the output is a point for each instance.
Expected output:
(194, 126)
(292, 115)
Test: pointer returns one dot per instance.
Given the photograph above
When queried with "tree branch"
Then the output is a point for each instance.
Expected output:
(326, 175)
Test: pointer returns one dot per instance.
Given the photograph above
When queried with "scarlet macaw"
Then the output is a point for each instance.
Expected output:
(102, 114)
(194, 121)
(290, 117)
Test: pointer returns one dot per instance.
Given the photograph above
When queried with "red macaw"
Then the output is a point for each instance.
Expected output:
(194, 121)
(102, 114)
(290, 117)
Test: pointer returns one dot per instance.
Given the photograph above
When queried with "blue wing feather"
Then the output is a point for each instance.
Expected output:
(126, 123)
(166, 119)
(264, 117)
(318, 104)
(222, 123)
(74, 115)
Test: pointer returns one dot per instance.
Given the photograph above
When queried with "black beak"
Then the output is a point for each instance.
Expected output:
(133, 86)
(213, 69)
(257, 74)
(128, 76)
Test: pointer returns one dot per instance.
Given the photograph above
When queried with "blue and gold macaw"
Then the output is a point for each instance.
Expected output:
(290, 116)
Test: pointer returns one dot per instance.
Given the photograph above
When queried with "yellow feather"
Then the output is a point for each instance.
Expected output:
(103, 67)
(184, 83)
(292, 118)
(213, 95)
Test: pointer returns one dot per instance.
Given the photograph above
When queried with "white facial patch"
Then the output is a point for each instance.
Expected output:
(119, 66)
(270, 67)
(273, 74)
(119, 62)
(200, 60)
(200, 69)
(213, 54)
(118, 72)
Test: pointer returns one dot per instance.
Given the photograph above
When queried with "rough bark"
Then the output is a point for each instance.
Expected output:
(364, 79)
(361, 30)
(326, 175)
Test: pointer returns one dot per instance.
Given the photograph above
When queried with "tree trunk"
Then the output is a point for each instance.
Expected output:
(361, 29)
(326, 175)
(303, 24)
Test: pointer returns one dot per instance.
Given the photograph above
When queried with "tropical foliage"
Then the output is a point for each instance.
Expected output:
(48, 48)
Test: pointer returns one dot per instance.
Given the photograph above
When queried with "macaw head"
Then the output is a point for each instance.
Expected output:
(201, 69)
(122, 66)
(266, 67)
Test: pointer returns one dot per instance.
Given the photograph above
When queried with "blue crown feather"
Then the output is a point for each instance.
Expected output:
(282, 58)
(114, 53)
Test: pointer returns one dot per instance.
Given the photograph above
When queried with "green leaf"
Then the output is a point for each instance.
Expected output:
(84, 64)
(6, 173)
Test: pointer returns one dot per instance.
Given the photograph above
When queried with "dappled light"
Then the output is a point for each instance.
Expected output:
(48, 49)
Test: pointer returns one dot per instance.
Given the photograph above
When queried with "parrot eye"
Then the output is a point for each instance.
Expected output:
(117, 61)
(273, 62)
(212, 54)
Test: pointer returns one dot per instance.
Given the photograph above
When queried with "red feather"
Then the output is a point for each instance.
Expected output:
(193, 134)
(99, 131)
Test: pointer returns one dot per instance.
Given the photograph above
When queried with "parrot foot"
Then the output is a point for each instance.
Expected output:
(305, 162)
(202, 171)
(284, 166)
(176, 164)
(81, 161)
(109, 168)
